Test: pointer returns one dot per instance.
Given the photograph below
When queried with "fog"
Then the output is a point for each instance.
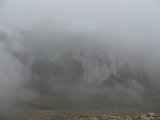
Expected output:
(80, 49)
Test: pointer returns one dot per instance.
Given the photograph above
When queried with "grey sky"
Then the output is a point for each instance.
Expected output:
(137, 22)
(90, 14)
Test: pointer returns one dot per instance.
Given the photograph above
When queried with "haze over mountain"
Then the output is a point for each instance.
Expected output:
(93, 53)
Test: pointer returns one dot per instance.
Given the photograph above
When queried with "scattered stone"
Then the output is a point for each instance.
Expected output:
(148, 116)
(152, 115)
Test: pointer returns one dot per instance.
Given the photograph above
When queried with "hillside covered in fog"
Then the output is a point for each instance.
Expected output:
(79, 54)
(81, 68)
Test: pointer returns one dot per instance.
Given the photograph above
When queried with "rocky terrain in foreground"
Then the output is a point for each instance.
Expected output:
(148, 116)
(81, 115)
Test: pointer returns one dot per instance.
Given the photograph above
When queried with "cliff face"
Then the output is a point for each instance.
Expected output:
(103, 65)
(103, 62)
(84, 68)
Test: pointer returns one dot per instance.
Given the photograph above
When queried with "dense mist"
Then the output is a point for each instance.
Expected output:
(88, 53)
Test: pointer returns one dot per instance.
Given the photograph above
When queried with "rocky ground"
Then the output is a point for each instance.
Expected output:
(75, 115)
(46, 109)
(148, 116)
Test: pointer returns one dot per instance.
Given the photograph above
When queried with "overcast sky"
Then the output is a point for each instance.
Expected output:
(88, 14)
(135, 21)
